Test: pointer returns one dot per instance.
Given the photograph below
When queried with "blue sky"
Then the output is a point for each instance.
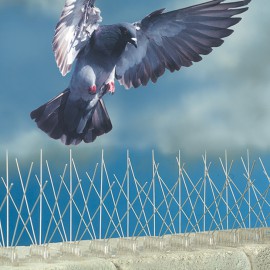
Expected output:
(217, 104)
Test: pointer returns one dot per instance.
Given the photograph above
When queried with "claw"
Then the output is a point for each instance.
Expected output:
(110, 87)
(92, 89)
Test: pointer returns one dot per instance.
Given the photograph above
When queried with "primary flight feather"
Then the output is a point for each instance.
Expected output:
(133, 53)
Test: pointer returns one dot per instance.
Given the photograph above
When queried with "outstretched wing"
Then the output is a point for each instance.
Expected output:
(78, 21)
(175, 39)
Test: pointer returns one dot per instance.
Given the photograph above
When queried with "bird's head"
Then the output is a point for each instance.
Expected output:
(129, 33)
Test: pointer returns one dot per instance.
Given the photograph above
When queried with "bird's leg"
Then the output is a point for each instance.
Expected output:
(92, 89)
(109, 84)
(110, 87)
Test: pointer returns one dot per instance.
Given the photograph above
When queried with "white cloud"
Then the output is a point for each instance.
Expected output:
(49, 6)
(215, 120)
(229, 105)
(226, 109)
(27, 145)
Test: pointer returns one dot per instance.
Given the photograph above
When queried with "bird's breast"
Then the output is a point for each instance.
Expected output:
(87, 74)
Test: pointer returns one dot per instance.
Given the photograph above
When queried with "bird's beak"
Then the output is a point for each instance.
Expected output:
(133, 41)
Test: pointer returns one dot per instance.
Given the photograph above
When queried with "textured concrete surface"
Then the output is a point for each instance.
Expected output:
(242, 257)
(223, 250)
(259, 256)
(90, 264)
(251, 256)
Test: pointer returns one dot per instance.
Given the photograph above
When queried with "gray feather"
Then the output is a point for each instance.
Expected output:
(78, 21)
(177, 38)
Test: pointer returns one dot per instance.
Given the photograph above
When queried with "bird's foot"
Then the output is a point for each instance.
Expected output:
(110, 87)
(92, 89)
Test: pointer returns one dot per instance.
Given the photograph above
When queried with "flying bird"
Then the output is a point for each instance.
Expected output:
(132, 53)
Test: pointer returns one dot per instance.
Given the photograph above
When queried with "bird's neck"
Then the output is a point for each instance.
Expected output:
(108, 43)
(118, 48)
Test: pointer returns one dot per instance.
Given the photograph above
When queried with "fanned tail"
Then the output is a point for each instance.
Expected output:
(70, 121)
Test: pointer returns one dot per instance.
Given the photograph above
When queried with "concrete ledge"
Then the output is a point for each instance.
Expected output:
(251, 256)
(221, 250)
(221, 259)
(89, 264)
(259, 256)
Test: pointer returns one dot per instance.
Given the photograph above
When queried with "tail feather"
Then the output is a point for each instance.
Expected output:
(100, 123)
(60, 117)
(49, 117)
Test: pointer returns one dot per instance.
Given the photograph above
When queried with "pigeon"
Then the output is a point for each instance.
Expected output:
(132, 53)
